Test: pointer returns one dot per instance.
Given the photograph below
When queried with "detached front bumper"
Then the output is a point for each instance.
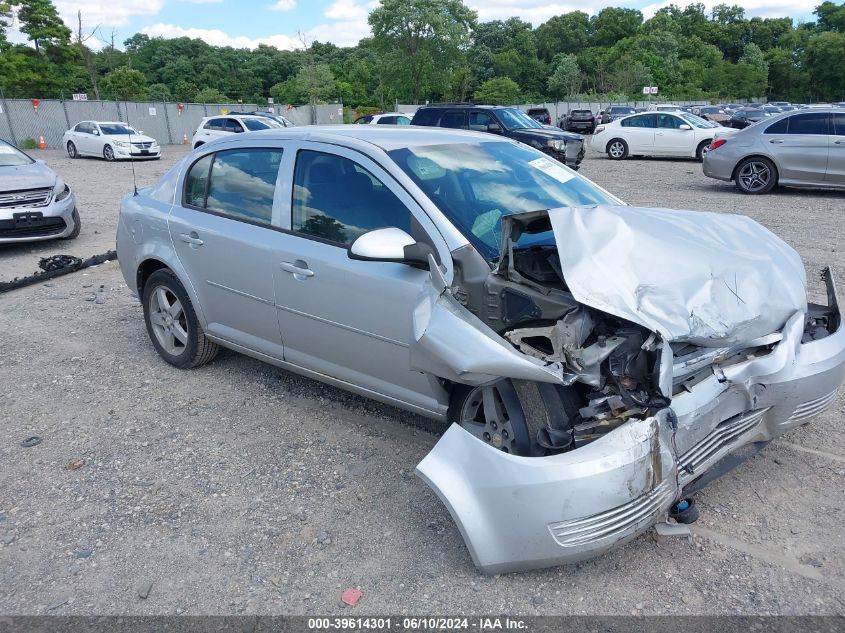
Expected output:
(519, 513)
(34, 224)
(134, 152)
(571, 156)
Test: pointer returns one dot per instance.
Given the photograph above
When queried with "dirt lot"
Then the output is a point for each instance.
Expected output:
(241, 488)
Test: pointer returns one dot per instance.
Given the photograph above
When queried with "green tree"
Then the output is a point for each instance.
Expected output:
(316, 82)
(124, 84)
(831, 17)
(185, 91)
(159, 92)
(498, 91)
(566, 78)
(827, 79)
(613, 24)
(420, 41)
(41, 23)
(211, 95)
(5, 20)
(567, 33)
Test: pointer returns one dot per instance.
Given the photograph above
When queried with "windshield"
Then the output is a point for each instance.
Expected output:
(755, 113)
(475, 185)
(697, 121)
(116, 128)
(12, 157)
(259, 124)
(516, 119)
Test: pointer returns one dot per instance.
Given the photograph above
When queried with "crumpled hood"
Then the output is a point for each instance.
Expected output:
(705, 278)
(33, 176)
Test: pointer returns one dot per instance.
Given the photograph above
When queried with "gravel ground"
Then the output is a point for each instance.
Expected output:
(242, 488)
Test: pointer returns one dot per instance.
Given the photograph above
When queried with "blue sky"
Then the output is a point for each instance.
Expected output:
(246, 23)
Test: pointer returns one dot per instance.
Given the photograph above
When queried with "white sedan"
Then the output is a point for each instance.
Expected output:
(656, 134)
(385, 118)
(112, 140)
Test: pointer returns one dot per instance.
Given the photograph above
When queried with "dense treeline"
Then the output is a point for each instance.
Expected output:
(437, 50)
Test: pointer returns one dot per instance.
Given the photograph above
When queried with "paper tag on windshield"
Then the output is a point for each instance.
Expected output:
(552, 168)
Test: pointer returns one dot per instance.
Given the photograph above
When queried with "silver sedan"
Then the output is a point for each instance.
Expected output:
(804, 148)
(599, 363)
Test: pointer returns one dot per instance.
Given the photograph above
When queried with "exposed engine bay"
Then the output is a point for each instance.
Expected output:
(611, 366)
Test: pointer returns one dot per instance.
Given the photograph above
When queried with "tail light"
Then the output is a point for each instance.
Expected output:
(599, 129)
(717, 143)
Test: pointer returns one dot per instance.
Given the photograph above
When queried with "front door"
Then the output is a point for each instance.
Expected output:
(670, 138)
(836, 156)
(801, 153)
(225, 238)
(350, 319)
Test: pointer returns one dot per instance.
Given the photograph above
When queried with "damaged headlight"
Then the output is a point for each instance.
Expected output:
(557, 145)
(60, 190)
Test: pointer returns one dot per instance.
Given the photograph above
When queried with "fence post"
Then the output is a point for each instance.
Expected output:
(167, 122)
(9, 121)
(64, 109)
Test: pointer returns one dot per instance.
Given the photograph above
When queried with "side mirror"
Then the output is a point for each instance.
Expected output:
(140, 131)
(494, 128)
(390, 245)
(684, 126)
(96, 132)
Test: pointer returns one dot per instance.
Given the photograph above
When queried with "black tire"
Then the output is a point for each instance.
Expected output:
(535, 418)
(71, 150)
(702, 149)
(77, 226)
(197, 349)
(108, 153)
(756, 175)
(685, 511)
(617, 149)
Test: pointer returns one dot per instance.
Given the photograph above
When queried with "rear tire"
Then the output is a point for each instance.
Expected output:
(756, 175)
(172, 322)
(701, 150)
(71, 150)
(617, 149)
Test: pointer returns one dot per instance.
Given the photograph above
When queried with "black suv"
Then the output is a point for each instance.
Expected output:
(579, 121)
(510, 122)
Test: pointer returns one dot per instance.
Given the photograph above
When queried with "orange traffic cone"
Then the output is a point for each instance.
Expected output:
(184, 139)
(42, 144)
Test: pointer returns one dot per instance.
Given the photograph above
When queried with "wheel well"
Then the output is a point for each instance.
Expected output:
(147, 268)
(615, 138)
(736, 167)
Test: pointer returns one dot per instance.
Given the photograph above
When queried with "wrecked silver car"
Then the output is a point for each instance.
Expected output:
(599, 363)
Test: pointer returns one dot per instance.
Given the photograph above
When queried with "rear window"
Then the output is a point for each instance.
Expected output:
(581, 112)
(255, 124)
(426, 116)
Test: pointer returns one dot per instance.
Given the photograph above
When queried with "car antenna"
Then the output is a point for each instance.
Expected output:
(129, 140)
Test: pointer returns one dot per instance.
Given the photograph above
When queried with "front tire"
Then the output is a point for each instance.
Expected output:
(71, 150)
(172, 322)
(617, 149)
(519, 417)
(77, 226)
(756, 175)
(108, 153)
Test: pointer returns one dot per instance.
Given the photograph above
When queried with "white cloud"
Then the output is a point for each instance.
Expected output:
(795, 9)
(105, 13)
(216, 37)
(346, 10)
(203, 1)
(283, 5)
(534, 11)
(347, 33)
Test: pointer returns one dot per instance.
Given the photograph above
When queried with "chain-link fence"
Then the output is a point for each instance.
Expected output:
(165, 122)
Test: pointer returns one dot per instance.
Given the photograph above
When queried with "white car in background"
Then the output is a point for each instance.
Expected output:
(112, 140)
(658, 133)
(664, 107)
(385, 118)
(213, 127)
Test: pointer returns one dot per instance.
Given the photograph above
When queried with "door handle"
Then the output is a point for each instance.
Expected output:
(191, 238)
(839, 142)
(297, 269)
(776, 141)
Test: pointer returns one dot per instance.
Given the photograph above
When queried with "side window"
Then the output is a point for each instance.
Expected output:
(403, 120)
(809, 123)
(387, 120)
(81, 127)
(214, 124)
(479, 121)
(643, 121)
(196, 182)
(336, 199)
(426, 116)
(839, 124)
(778, 127)
(667, 121)
(242, 183)
(232, 125)
(453, 119)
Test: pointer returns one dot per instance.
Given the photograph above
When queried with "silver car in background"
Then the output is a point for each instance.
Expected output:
(801, 148)
(35, 203)
(599, 362)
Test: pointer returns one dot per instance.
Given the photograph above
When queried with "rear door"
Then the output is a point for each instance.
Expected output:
(802, 152)
(836, 156)
(456, 119)
(225, 231)
(212, 129)
(639, 133)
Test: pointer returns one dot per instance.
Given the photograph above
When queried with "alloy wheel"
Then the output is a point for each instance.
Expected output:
(616, 149)
(493, 414)
(755, 176)
(108, 152)
(168, 319)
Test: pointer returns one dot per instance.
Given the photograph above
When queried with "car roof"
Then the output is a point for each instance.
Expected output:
(386, 137)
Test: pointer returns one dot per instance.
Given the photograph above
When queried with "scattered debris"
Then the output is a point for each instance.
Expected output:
(55, 266)
(76, 464)
(31, 441)
(144, 590)
(351, 596)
